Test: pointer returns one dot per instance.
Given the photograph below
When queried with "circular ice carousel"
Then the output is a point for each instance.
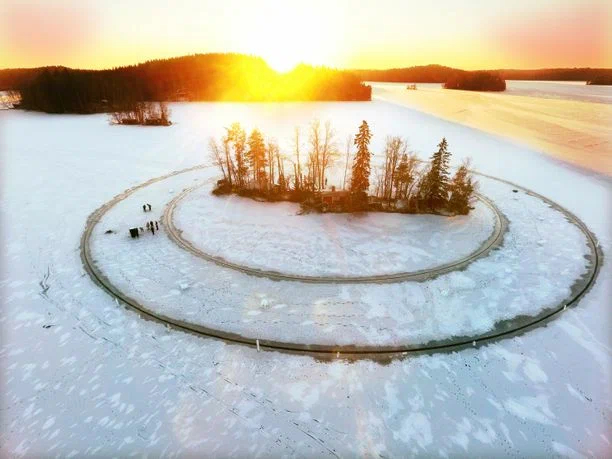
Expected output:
(257, 272)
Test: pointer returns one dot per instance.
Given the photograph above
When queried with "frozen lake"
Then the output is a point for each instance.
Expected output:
(567, 121)
(566, 90)
(83, 377)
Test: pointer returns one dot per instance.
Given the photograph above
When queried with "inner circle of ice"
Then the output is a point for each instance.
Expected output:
(277, 237)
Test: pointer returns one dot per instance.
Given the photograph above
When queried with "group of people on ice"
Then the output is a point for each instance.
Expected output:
(151, 225)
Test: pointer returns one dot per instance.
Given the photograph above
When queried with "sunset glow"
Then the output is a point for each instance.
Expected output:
(287, 38)
(524, 34)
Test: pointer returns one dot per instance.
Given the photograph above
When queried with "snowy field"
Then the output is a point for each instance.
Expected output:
(274, 236)
(82, 377)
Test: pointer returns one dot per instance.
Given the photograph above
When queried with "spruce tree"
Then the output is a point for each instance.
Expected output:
(461, 189)
(437, 180)
(360, 178)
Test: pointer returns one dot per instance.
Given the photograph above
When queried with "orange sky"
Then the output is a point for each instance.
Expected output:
(340, 33)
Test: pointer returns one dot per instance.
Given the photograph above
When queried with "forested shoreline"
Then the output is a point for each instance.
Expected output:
(240, 78)
(442, 74)
(203, 77)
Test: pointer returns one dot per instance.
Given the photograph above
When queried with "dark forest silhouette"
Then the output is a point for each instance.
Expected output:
(256, 168)
(202, 77)
(476, 81)
(233, 77)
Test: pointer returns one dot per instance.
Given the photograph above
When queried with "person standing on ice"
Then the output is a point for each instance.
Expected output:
(144, 207)
(152, 228)
(156, 225)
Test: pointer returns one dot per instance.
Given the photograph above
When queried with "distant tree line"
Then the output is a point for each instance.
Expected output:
(255, 167)
(201, 77)
(568, 74)
(14, 79)
(417, 74)
(450, 77)
(441, 74)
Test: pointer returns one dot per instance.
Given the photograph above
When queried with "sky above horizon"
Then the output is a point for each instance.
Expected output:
(339, 33)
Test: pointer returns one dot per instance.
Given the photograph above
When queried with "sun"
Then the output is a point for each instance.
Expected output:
(282, 61)
(288, 39)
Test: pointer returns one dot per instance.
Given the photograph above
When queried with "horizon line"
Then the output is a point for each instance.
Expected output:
(348, 69)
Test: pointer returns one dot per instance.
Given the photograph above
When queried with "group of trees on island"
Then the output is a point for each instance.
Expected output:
(200, 77)
(144, 114)
(255, 167)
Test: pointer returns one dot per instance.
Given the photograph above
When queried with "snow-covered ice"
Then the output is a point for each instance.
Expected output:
(520, 278)
(565, 120)
(107, 383)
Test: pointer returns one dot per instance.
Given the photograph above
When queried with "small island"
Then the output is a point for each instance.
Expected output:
(143, 114)
(255, 168)
(476, 81)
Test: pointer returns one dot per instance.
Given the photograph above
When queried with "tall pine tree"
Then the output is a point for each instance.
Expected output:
(360, 178)
(436, 182)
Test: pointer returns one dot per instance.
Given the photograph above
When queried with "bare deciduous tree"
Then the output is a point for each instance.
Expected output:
(297, 165)
(217, 156)
(143, 113)
(314, 159)
(329, 152)
(395, 148)
(349, 142)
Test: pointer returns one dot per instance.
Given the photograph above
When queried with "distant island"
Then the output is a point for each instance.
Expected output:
(143, 114)
(200, 77)
(476, 81)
